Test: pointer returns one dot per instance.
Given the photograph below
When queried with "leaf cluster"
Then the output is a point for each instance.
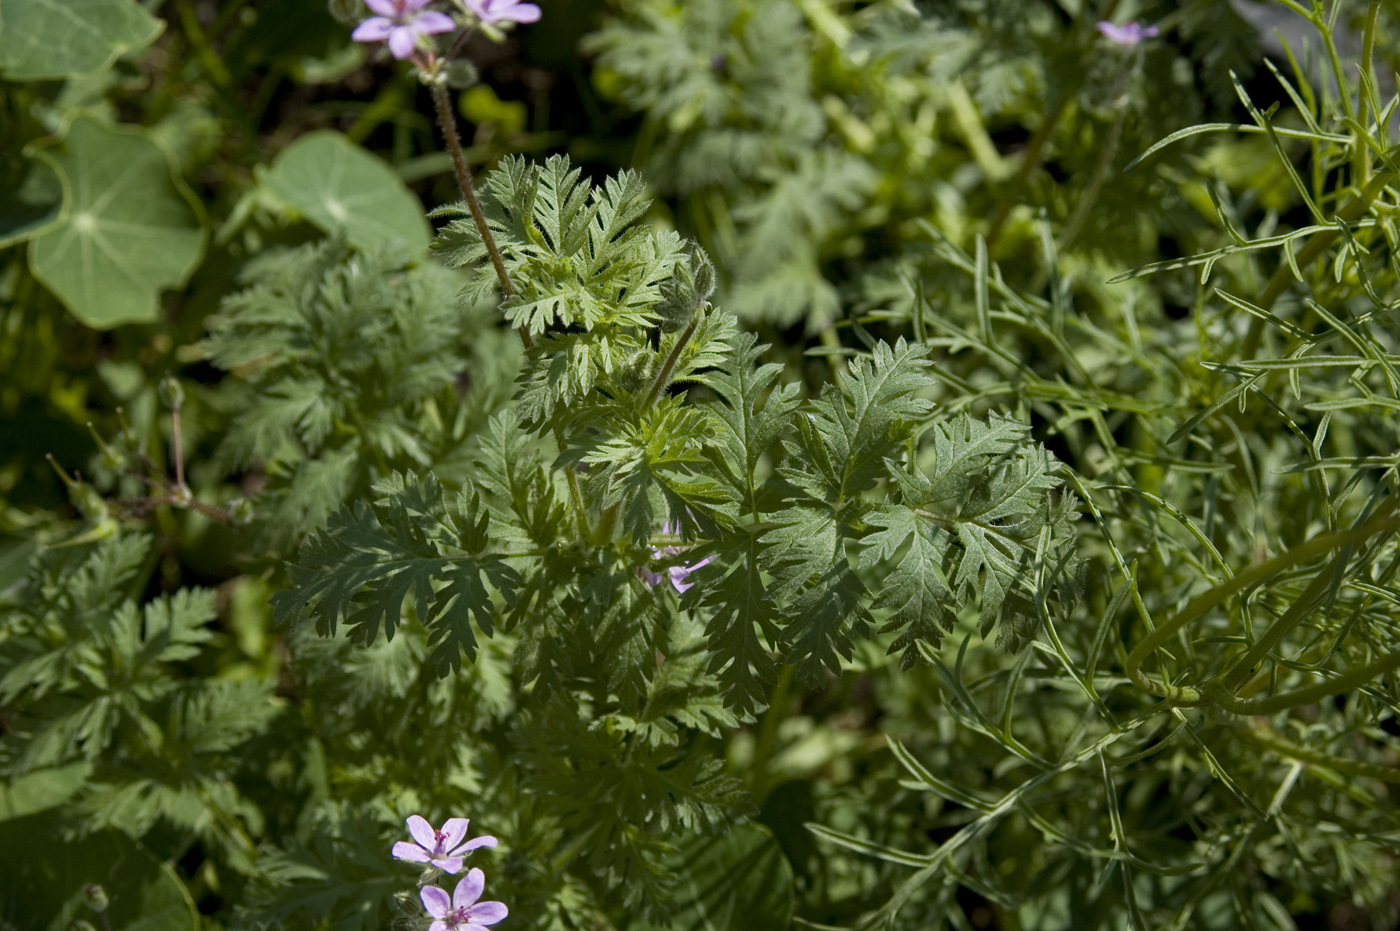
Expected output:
(341, 357)
(86, 677)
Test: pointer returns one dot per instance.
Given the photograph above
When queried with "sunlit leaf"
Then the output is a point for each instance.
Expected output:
(130, 233)
(339, 186)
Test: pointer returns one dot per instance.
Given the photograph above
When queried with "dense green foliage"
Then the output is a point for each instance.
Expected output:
(880, 465)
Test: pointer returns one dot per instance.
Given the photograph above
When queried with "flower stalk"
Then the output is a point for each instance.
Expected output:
(448, 123)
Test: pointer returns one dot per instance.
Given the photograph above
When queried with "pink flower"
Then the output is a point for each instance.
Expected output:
(494, 11)
(677, 574)
(462, 910)
(443, 849)
(400, 22)
(1128, 34)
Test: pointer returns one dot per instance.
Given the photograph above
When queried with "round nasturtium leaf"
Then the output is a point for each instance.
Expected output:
(340, 187)
(131, 229)
(48, 39)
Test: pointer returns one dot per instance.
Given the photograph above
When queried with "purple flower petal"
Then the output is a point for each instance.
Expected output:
(523, 13)
(403, 850)
(374, 29)
(453, 831)
(422, 831)
(439, 926)
(435, 900)
(1128, 34)
(433, 22)
(448, 864)
(651, 578)
(486, 840)
(486, 913)
(383, 7)
(469, 889)
(679, 573)
(494, 11)
(402, 41)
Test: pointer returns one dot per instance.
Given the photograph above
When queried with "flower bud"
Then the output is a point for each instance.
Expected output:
(172, 395)
(95, 897)
(460, 74)
(241, 511)
(686, 290)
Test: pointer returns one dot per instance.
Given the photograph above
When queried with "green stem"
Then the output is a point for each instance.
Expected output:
(575, 493)
(1197, 608)
(1216, 692)
(1336, 61)
(178, 442)
(607, 524)
(1030, 162)
(208, 58)
(575, 847)
(1269, 738)
(664, 376)
(1240, 671)
(607, 521)
(1368, 51)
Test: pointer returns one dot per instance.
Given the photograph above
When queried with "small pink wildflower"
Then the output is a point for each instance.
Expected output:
(495, 11)
(677, 574)
(400, 23)
(1128, 34)
(443, 849)
(462, 911)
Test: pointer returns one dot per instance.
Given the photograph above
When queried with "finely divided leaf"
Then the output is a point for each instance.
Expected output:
(743, 626)
(845, 441)
(363, 566)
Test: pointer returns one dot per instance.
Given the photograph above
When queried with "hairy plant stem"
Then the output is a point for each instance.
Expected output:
(663, 376)
(178, 442)
(779, 709)
(574, 848)
(1110, 148)
(448, 123)
(575, 493)
(1035, 154)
